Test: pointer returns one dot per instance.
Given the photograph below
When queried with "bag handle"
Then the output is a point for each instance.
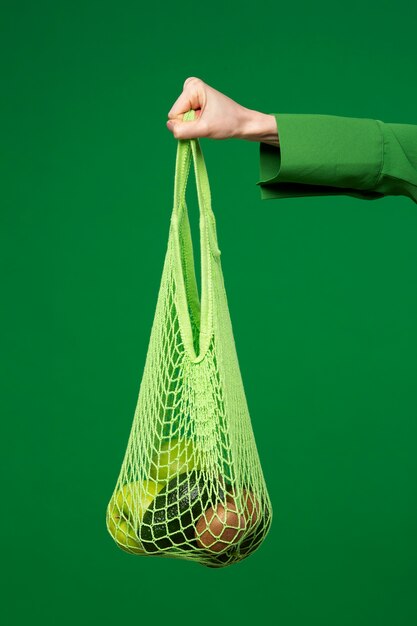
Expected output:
(186, 149)
(186, 294)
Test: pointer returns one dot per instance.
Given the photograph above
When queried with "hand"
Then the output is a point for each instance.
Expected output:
(218, 117)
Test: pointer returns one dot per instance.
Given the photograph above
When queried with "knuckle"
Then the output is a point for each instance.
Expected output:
(191, 79)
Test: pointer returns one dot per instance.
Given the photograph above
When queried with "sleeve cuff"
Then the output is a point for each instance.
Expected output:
(322, 155)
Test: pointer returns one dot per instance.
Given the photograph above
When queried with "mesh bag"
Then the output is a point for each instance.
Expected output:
(191, 484)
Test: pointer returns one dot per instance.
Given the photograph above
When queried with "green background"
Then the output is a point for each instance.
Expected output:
(322, 295)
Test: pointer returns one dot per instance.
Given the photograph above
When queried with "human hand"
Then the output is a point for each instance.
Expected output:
(217, 116)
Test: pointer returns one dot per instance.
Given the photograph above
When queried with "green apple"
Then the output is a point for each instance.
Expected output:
(133, 499)
(173, 457)
(122, 531)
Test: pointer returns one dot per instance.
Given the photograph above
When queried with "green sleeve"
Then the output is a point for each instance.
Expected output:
(322, 155)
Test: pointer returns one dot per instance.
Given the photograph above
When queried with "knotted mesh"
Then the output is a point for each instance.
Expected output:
(191, 484)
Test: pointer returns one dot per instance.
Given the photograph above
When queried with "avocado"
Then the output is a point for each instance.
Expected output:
(170, 519)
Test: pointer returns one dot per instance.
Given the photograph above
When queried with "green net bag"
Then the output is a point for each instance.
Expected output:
(191, 484)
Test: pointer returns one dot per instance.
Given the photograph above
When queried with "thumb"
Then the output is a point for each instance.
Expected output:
(184, 130)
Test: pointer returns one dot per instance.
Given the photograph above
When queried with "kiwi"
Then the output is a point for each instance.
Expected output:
(243, 549)
(170, 519)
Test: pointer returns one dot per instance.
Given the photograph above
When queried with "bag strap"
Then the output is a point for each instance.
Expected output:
(186, 149)
(186, 296)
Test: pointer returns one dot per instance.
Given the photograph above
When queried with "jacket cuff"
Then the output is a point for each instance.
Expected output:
(321, 154)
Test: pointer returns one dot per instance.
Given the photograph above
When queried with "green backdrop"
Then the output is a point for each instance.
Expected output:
(322, 295)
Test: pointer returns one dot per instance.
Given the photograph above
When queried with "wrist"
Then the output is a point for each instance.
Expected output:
(259, 126)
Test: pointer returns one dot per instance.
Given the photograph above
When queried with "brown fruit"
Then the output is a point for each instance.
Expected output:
(219, 527)
(251, 506)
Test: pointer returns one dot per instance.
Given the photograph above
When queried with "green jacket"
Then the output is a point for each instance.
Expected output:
(331, 155)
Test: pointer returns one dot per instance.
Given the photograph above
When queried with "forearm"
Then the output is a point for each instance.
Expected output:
(259, 127)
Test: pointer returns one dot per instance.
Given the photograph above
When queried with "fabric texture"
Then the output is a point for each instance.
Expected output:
(334, 155)
(191, 484)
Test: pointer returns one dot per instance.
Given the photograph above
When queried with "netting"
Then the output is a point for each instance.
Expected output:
(191, 484)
